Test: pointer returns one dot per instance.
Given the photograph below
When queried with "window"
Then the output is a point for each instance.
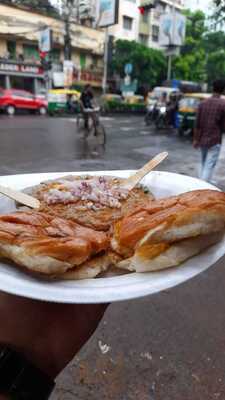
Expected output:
(155, 33)
(55, 53)
(24, 95)
(143, 39)
(83, 61)
(11, 48)
(31, 52)
(127, 23)
(94, 61)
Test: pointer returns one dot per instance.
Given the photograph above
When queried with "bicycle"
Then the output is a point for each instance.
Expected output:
(95, 128)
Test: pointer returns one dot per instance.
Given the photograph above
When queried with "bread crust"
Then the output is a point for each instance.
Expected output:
(172, 219)
(161, 235)
(48, 244)
(150, 259)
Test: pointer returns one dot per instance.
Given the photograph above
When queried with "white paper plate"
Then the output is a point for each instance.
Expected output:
(115, 288)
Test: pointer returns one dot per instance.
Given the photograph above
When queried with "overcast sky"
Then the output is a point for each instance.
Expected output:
(193, 4)
(199, 4)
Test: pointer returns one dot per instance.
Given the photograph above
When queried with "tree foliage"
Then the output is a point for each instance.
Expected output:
(149, 65)
(214, 45)
(191, 64)
(219, 10)
(202, 58)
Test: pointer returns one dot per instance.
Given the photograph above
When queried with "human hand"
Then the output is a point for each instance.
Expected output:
(47, 334)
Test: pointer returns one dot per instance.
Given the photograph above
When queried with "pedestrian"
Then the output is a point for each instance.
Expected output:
(210, 124)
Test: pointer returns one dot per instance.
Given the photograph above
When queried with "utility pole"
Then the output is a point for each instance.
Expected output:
(68, 6)
(170, 57)
(67, 39)
(71, 10)
(105, 74)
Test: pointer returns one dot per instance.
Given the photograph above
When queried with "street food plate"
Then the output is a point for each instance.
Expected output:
(107, 289)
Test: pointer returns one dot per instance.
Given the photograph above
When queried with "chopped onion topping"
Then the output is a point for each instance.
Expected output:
(98, 192)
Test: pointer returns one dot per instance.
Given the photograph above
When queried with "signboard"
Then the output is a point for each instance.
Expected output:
(68, 69)
(172, 51)
(172, 29)
(21, 68)
(130, 89)
(107, 12)
(128, 69)
(45, 40)
(180, 29)
(58, 79)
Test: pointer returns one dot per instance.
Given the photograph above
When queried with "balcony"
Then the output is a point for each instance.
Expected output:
(144, 28)
(19, 65)
(94, 77)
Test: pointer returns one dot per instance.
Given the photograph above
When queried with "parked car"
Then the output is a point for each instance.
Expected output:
(14, 99)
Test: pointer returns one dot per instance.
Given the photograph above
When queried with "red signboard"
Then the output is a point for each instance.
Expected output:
(23, 68)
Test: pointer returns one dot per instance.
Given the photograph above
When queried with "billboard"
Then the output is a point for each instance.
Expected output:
(45, 40)
(107, 12)
(58, 79)
(68, 70)
(172, 29)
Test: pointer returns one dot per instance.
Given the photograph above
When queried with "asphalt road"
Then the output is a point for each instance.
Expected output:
(170, 346)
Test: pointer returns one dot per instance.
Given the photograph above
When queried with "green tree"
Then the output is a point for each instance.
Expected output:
(191, 64)
(219, 10)
(149, 65)
(214, 45)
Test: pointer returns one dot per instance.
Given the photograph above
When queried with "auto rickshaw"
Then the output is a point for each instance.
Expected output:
(187, 111)
(58, 100)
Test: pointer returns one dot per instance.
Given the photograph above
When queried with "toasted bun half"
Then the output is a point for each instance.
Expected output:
(170, 220)
(161, 256)
(47, 244)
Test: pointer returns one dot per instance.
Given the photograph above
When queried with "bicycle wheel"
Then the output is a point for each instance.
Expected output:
(99, 133)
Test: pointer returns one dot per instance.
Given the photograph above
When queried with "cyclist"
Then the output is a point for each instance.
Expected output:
(86, 99)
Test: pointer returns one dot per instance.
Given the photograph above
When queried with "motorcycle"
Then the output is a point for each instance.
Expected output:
(163, 120)
(151, 114)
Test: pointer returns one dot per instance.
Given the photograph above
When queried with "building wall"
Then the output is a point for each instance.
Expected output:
(143, 29)
(162, 7)
(22, 26)
(3, 47)
(129, 9)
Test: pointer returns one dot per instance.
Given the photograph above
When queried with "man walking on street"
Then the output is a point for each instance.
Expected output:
(210, 124)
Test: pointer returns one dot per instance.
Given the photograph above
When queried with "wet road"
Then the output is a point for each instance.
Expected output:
(170, 346)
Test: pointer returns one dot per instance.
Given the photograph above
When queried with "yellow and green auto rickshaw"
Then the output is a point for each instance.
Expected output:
(187, 110)
(58, 100)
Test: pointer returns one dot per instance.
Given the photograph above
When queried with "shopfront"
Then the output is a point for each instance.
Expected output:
(22, 76)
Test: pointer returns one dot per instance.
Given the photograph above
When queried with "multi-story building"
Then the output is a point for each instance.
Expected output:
(128, 21)
(162, 7)
(143, 28)
(20, 65)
